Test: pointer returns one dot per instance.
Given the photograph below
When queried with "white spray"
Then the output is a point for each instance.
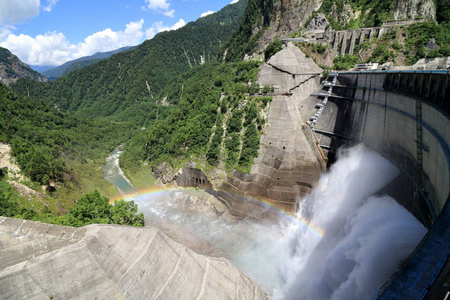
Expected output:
(365, 237)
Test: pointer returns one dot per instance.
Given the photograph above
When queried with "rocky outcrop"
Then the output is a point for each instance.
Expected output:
(318, 23)
(431, 45)
(7, 162)
(12, 68)
(287, 17)
(413, 9)
(342, 15)
(42, 261)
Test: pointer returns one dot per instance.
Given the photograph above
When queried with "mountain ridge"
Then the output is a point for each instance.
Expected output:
(12, 69)
(128, 79)
(64, 69)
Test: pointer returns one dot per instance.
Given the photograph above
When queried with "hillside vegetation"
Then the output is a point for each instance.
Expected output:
(216, 120)
(124, 86)
(51, 148)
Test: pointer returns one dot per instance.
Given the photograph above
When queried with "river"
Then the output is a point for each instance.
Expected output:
(114, 174)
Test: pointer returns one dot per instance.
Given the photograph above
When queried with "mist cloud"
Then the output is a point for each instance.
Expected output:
(367, 237)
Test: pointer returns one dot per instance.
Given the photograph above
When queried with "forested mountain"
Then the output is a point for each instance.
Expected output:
(217, 120)
(52, 149)
(11, 68)
(79, 63)
(125, 85)
(42, 138)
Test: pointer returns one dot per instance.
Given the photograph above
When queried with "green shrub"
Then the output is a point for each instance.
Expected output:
(271, 49)
(345, 62)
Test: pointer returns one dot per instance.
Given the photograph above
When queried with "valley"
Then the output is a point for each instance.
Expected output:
(269, 150)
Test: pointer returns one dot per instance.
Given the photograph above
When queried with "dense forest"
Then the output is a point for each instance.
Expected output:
(48, 145)
(215, 116)
(124, 87)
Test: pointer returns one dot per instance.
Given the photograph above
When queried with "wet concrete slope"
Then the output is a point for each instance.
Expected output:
(42, 261)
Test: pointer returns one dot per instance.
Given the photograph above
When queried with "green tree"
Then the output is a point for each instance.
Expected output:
(92, 208)
(125, 213)
(271, 49)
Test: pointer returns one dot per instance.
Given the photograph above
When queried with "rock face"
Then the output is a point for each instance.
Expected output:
(287, 16)
(412, 9)
(288, 162)
(11, 69)
(431, 45)
(319, 22)
(42, 261)
(342, 15)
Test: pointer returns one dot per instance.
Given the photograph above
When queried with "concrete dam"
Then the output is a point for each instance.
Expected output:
(404, 116)
(401, 115)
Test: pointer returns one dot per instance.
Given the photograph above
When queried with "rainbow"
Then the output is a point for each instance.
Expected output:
(158, 191)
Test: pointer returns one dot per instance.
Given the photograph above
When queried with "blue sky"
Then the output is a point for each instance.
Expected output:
(51, 32)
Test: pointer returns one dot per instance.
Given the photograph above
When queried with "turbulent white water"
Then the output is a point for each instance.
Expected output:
(351, 243)
(366, 237)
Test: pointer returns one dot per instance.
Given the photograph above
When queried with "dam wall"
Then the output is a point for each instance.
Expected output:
(406, 123)
(404, 117)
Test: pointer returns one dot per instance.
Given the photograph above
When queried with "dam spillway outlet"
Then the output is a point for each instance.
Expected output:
(366, 236)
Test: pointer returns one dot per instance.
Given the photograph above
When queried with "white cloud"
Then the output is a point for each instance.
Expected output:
(54, 49)
(5, 31)
(51, 4)
(15, 11)
(169, 13)
(234, 1)
(159, 27)
(207, 13)
(159, 6)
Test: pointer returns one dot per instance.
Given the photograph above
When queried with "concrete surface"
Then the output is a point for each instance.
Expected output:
(288, 163)
(42, 261)
(404, 117)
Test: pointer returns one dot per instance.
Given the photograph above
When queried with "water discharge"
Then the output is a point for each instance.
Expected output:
(344, 243)
(367, 236)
